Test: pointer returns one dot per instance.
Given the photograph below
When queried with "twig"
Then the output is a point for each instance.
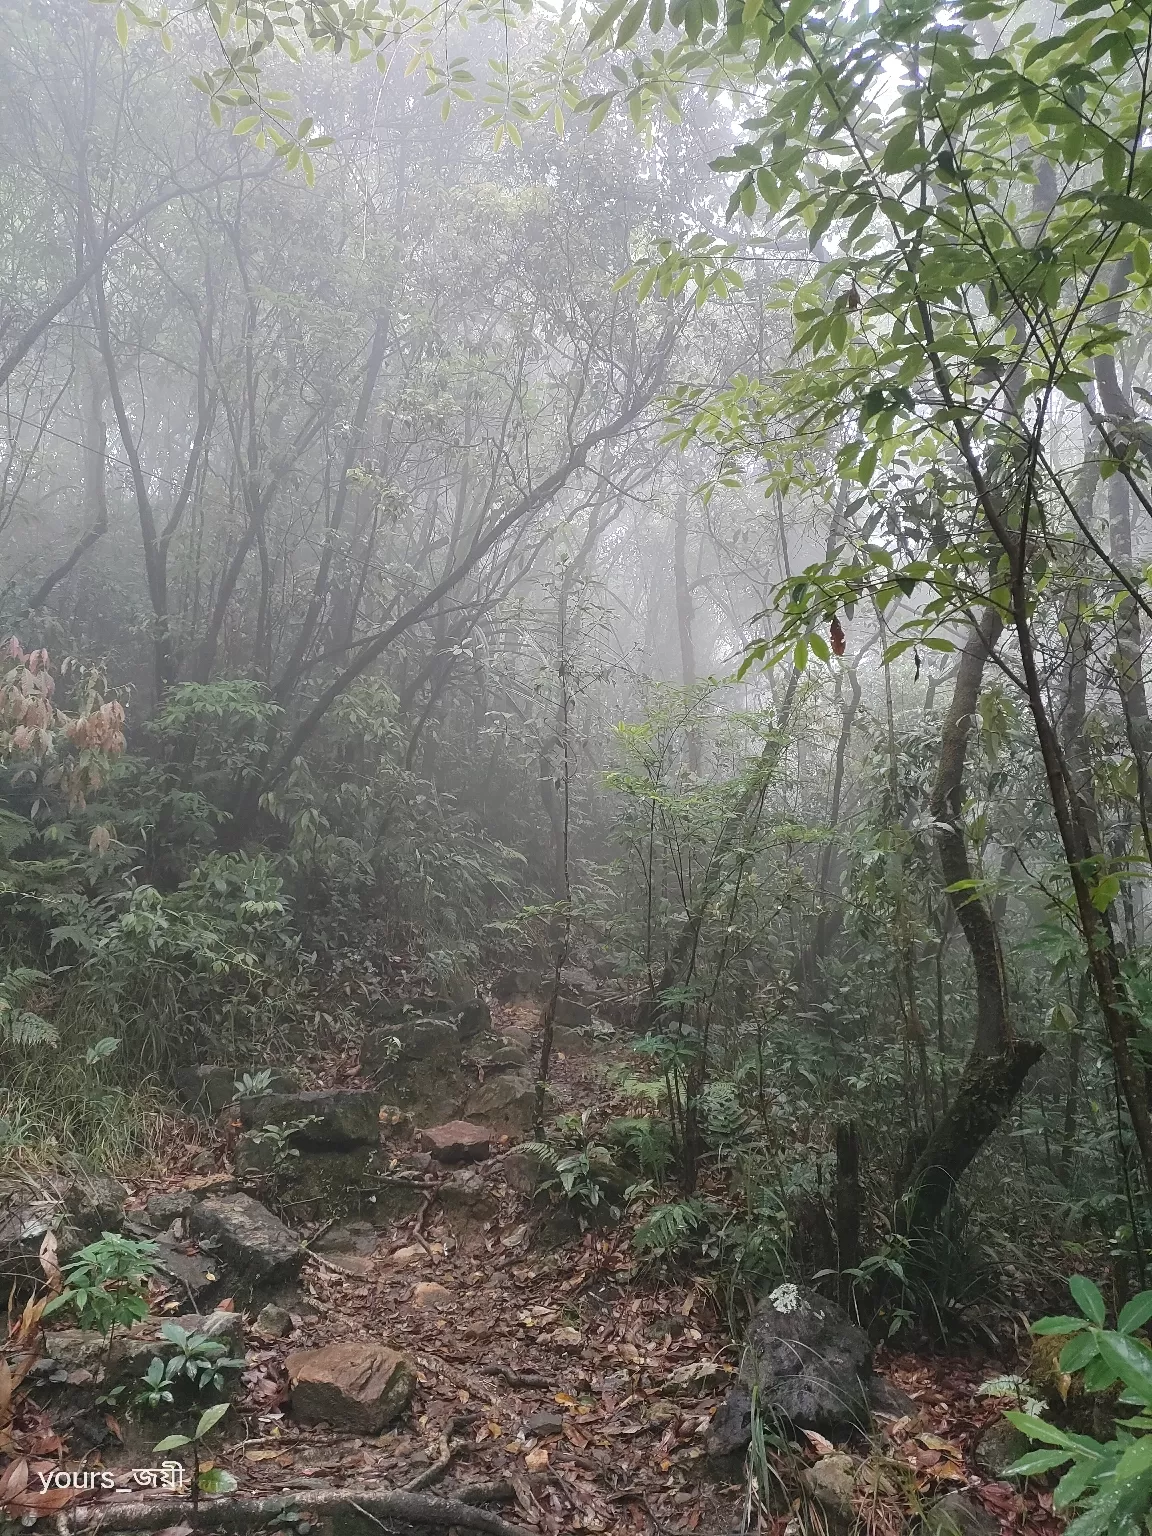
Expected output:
(243, 1514)
(418, 1224)
(515, 1378)
(436, 1471)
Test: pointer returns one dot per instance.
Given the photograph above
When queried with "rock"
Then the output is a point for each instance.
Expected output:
(507, 1103)
(419, 1162)
(518, 1037)
(94, 1204)
(458, 1141)
(889, 1400)
(407, 1254)
(390, 1203)
(572, 1015)
(958, 1514)
(570, 1042)
(171, 1206)
(831, 1482)
(809, 1362)
(576, 980)
(358, 1265)
(999, 1445)
(567, 1338)
(358, 1237)
(474, 1017)
(429, 1296)
(254, 1242)
(206, 1090)
(500, 1058)
(661, 1412)
(523, 1171)
(730, 1432)
(408, 1040)
(68, 1351)
(338, 1119)
(358, 1386)
(273, 1322)
(197, 1275)
(543, 1423)
(514, 984)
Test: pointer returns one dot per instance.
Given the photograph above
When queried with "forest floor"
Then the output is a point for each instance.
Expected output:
(566, 1372)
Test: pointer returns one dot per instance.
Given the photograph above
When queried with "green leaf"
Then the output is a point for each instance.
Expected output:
(217, 1480)
(633, 18)
(1047, 1325)
(1126, 210)
(1086, 1295)
(1035, 1462)
(1048, 1434)
(1077, 1352)
(246, 125)
(1136, 1313)
(171, 1442)
(1130, 1360)
(1136, 1460)
(122, 26)
(210, 1418)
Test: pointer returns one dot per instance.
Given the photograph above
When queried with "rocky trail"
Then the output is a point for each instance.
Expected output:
(418, 1321)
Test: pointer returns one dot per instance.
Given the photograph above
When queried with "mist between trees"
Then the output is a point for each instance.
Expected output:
(684, 508)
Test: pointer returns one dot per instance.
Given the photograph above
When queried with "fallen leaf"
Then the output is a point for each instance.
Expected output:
(818, 1443)
(536, 1460)
(263, 1455)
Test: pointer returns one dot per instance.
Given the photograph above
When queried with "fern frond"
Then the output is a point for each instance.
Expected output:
(20, 1028)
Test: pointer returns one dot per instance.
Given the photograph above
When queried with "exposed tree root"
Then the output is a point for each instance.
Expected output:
(249, 1514)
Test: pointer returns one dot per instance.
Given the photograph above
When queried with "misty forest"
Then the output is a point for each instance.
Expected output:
(576, 767)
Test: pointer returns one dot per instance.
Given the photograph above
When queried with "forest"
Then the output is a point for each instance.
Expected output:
(576, 767)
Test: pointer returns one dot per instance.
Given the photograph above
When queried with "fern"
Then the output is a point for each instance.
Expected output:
(667, 1229)
(18, 1025)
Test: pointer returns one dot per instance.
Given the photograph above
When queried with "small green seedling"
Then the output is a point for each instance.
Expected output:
(106, 1284)
(212, 1479)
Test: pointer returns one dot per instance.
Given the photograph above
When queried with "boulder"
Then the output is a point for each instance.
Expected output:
(999, 1445)
(419, 1059)
(70, 1353)
(570, 1042)
(206, 1090)
(256, 1244)
(577, 981)
(730, 1432)
(429, 1296)
(499, 1058)
(358, 1386)
(273, 1322)
(194, 1275)
(337, 1119)
(958, 1514)
(831, 1483)
(506, 1103)
(572, 1015)
(518, 1037)
(523, 1171)
(473, 1018)
(513, 984)
(93, 1203)
(457, 1141)
(809, 1362)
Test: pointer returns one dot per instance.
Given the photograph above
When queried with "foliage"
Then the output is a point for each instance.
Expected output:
(1109, 1483)
(197, 1366)
(106, 1283)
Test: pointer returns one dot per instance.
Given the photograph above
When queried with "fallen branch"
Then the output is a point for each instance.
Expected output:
(243, 1514)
